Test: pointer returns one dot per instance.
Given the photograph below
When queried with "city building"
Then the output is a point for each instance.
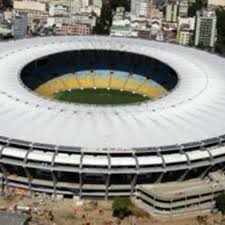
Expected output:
(122, 31)
(215, 3)
(141, 8)
(156, 13)
(171, 12)
(185, 30)
(5, 30)
(183, 8)
(184, 35)
(36, 11)
(205, 29)
(20, 25)
(82, 18)
(58, 10)
(190, 21)
(8, 14)
(75, 29)
(125, 25)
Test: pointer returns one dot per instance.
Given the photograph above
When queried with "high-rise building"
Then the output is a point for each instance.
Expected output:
(183, 8)
(20, 26)
(205, 30)
(149, 9)
(141, 8)
(171, 11)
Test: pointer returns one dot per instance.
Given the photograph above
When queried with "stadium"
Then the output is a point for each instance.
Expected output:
(166, 122)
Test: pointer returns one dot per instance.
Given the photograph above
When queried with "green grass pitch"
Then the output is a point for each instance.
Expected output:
(99, 96)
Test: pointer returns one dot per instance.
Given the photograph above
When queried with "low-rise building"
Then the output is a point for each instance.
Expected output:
(58, 10)
(184, 35)
(185, 30)
(5, 30)
(36, 11)
(179, 197)
(75, 29)
(8, 15)
(216, 3)
(126, 25)
(20, 25)
(122, 31)
(190, 21)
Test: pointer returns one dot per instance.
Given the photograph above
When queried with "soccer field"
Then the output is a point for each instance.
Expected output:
(99, 96)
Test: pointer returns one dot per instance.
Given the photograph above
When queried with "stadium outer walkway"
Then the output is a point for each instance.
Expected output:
(181, 197)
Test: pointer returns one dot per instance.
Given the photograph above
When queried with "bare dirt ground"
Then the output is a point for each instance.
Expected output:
(45, 211)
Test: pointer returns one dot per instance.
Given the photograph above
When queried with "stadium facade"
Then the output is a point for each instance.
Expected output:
(106, 151)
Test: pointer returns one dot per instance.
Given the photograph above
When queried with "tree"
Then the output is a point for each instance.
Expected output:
(121, 207)
(7, 3)
(220, 202)
(220, 43)
(121, 3)
(196, 6)
(104, 23)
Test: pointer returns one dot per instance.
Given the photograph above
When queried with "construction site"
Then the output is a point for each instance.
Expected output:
(20, 207)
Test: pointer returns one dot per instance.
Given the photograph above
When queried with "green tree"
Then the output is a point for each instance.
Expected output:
(220, 43)
(196, 6)
(220, 202)
(121, 207)
(7, 3)
(104, 23)
(121, 3)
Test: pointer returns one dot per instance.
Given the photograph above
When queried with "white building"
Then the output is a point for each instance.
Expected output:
(20, 26)
(190, 21)
(183, 8)
(171, 12)
(55, 10)
(216, 3)
(185, 30)
(141, 8)
(35, 10)
(205, 30)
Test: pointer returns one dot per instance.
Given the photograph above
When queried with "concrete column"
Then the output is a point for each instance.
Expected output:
(133, 184)
(206, 171)
(29, 177)
(80, 175)
(5, 177)
(182, 177)
(80, 185)
(159, 179)
(107, 184)
(54, 180)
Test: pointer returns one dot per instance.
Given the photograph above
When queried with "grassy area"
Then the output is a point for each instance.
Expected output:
(99, 96)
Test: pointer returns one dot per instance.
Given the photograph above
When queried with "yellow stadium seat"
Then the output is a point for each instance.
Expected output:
(132, 84)
(118, 82)
(45, 90)
(71, 83)
(86, 80)
(101, 81)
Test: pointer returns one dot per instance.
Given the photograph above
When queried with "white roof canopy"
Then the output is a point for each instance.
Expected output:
(193, 111)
